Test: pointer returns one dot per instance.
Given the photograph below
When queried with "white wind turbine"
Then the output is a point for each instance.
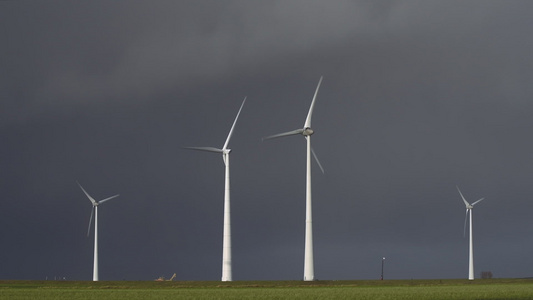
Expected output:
(95, 211)
(469, 208)
(226, 242)
(306, 131)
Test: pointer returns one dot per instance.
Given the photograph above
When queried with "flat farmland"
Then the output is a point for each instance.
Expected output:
(492, 289)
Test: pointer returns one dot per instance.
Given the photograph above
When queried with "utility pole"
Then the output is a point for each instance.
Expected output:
(382, 264)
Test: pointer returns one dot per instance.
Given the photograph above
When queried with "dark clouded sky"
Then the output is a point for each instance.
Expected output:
(417, 97)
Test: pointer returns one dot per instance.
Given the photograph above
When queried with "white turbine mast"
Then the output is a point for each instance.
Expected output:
(94, 210)
(226, 242)
(469, 208)
(307, 131)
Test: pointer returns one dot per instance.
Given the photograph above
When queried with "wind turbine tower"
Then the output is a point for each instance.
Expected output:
(226, 242)
(469, 208)
(307, 131)
(94, 211)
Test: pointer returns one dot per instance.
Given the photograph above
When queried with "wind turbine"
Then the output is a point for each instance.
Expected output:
(226, 242)
(469, 208)
(306, 131)
(95, 211)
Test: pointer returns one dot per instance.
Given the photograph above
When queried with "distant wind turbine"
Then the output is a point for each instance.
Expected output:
(469, 208)
(95, 211)
(306, 131)
(226, 242)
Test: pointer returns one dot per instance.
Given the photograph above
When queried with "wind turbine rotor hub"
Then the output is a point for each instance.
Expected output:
(307, 131)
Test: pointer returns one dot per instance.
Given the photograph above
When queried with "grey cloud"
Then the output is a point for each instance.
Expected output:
(418, 96)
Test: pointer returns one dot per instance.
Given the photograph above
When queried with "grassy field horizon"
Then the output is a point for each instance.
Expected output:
(501, 288)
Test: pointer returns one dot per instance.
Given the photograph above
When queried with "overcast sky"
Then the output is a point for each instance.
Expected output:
(417, 97)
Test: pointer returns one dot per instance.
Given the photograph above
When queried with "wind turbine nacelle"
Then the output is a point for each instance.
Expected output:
(307, 131)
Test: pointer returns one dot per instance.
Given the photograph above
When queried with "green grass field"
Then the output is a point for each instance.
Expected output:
(388, 289)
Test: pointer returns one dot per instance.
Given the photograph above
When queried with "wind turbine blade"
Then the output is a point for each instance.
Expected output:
(464, 229)
(466, 203)
(317, 161)
(233, 126)
(88, 196)
(107, 199)
(208, 149)
(477, 201)
(310, 113)
(90, 221)
(294, 132)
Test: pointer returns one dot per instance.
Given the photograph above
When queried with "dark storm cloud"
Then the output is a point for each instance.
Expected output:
(88, 53)
(418, 96)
